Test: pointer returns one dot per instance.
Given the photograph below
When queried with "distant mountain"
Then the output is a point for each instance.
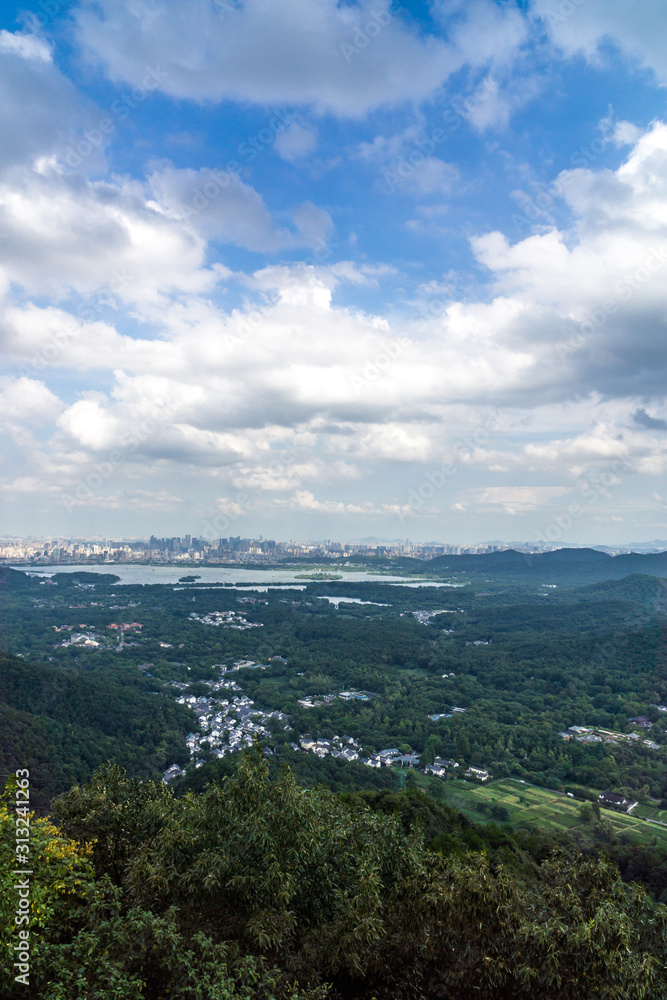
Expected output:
(374, 540)
(573, 556)
(567, 566)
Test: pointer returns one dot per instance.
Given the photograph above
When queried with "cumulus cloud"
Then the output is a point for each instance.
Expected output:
(585, 27)
(344, 58)
(483, 31)
(572, 319)
(301, 53)
(64, 234)
(218, 205)
(304, 501)
(27, 47)
(315, 224)
(593, 298)
(27, 401)
(493, 103)
(41, 111)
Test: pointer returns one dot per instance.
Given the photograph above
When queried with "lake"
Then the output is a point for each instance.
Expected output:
(132, 573)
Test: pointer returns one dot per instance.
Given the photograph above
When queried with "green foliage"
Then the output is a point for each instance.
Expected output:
(87, 942)
(115, 814)
(312, 887)
(63, 723)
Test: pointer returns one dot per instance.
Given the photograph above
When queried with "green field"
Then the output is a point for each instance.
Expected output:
(533, 806)
(651, 812)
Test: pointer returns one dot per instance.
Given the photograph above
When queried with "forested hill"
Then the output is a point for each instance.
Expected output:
(572, 566)
(639, 588)
(61, 722)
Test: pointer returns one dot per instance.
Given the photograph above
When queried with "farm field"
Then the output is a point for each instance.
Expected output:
(528, 804)
(651, 812)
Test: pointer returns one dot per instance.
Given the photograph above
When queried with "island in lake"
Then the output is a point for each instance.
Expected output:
(318, 576)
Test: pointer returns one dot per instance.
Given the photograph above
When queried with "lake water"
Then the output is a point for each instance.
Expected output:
(349, 600)
(261, 588)
(131, 573)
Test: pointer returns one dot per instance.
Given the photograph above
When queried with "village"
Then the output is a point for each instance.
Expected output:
(230, 619)
(232, 723)
(591, 735)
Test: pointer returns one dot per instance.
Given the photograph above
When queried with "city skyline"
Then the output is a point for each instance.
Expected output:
(236, 550)
(334, 270)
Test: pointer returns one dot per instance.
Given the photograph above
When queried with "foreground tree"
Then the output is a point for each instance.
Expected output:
(255, 886)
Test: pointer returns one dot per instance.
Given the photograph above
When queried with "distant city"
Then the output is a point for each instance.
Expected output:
(189, 549)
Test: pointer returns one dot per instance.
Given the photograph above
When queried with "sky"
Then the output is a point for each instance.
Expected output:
(318, 269)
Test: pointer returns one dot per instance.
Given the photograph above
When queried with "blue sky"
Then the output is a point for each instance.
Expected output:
(319, 269)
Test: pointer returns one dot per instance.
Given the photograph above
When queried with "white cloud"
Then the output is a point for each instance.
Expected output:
(604, 446)
(218, 205)
(41, 112)
(484, 32)
(64, 233)
(585, 25)
(305, 501)
(431, 176)
(296, 142)
(271, 473)
(344, 58)
(406, 163)
(315, 224)
(512, 499)
(360, 393)
(27, 401)
(594, 299)
(493, 103)
(25, 46)
(90, 424)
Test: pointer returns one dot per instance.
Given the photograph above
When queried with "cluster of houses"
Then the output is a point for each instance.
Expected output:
(343, 747)
(441, 766)
(588, 734)
(241, 665)
(225, 724)
(425, 616)
(316, 701)
(89, 640)
(92, 640)
(230, 619)
(347, 748)
(86, 640)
